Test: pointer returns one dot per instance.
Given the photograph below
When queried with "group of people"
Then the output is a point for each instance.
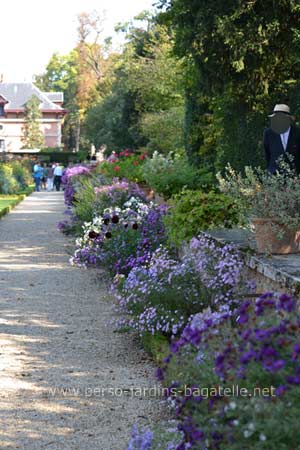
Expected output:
(47, 176)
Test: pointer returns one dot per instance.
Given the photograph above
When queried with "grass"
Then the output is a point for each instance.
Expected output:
(8, 202)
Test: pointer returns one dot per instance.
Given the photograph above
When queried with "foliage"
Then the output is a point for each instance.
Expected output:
(126, 164)
(257, 351)
(21, 173)
(192, 211)
(84, 198)
(51, 149)
(259, 194)
(152, 72)
(69, 179)
(164, 437)
(168, 175)
(162, 295)
(122, 237)
(14, 177)
(164, 129)
(116, 195)
(32, 136)
(229, 48)
(147, 80)
(84, 76)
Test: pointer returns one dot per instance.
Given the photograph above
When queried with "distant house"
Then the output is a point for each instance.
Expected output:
(13, 98)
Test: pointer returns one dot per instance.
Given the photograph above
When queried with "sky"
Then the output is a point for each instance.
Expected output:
(32, 30)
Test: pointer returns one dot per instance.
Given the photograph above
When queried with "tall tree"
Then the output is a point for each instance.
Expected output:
(61, 75)
(81, 75)
(244, 58)
(33, 136)
(147, 80)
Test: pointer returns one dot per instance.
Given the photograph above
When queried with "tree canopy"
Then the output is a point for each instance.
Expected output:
(32, 136)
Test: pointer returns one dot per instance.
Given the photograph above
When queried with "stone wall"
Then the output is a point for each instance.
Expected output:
(276, 273)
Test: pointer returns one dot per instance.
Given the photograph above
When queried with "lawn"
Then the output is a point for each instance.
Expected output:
(7, 202)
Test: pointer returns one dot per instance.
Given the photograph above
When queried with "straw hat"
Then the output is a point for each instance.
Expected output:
(285, 109)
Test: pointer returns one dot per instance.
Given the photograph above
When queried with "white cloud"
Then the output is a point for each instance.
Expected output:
(32, 30)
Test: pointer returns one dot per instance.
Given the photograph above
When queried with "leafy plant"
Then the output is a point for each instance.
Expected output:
(192, 211)
(164, 130)
(168, 175)
(32, 136)
(14, 177)
(121, 238)
(126, 164)
(259, 194)
(162, 294)
(21, 173)
(84, 199)
(237, 377)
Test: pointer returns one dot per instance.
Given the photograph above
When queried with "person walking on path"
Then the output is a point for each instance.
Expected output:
(37, 175)
(283, 137)
(58, 171)
(44, 176)
(50, 177)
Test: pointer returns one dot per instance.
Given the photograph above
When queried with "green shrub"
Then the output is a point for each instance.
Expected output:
(51, 149)
(62, 157)
(22, 174)
(127, 165)
(164, 129)
(84, 199)
(8, 183)
(168, 175)
(192, 211)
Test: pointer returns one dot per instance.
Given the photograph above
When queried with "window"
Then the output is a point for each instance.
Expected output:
(2, 145)
(2, 113)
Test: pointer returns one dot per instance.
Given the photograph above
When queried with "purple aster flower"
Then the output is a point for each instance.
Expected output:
(159, 374)
(293, 379)
(274, 366)
(286, 303)
(247, 356)
(281, 390)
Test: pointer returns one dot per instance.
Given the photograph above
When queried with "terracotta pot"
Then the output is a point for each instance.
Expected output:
(266, 235)
(149, 193)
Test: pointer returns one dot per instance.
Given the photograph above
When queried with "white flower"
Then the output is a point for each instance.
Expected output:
(232, 405)
(251, 426)
(247, 433)
(262, 437)
(236, 423)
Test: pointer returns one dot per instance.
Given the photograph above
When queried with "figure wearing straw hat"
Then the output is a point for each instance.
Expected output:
(282, 137)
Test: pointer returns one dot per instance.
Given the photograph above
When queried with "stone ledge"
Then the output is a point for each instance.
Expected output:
(276, 272)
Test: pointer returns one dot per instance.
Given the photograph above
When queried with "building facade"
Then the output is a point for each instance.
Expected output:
(13, 98)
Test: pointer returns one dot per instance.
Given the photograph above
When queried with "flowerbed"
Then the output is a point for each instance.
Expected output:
(196, 301)
(121, 238)
(70, 178)
(126, 164)
(162, 295)
(254, 354)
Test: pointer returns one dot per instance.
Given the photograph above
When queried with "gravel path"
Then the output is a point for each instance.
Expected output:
(58, 357)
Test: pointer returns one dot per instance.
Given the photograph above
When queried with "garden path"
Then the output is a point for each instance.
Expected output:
(53, 336)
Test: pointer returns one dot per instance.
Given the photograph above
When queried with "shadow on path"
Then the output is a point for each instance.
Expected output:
(58, 356)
